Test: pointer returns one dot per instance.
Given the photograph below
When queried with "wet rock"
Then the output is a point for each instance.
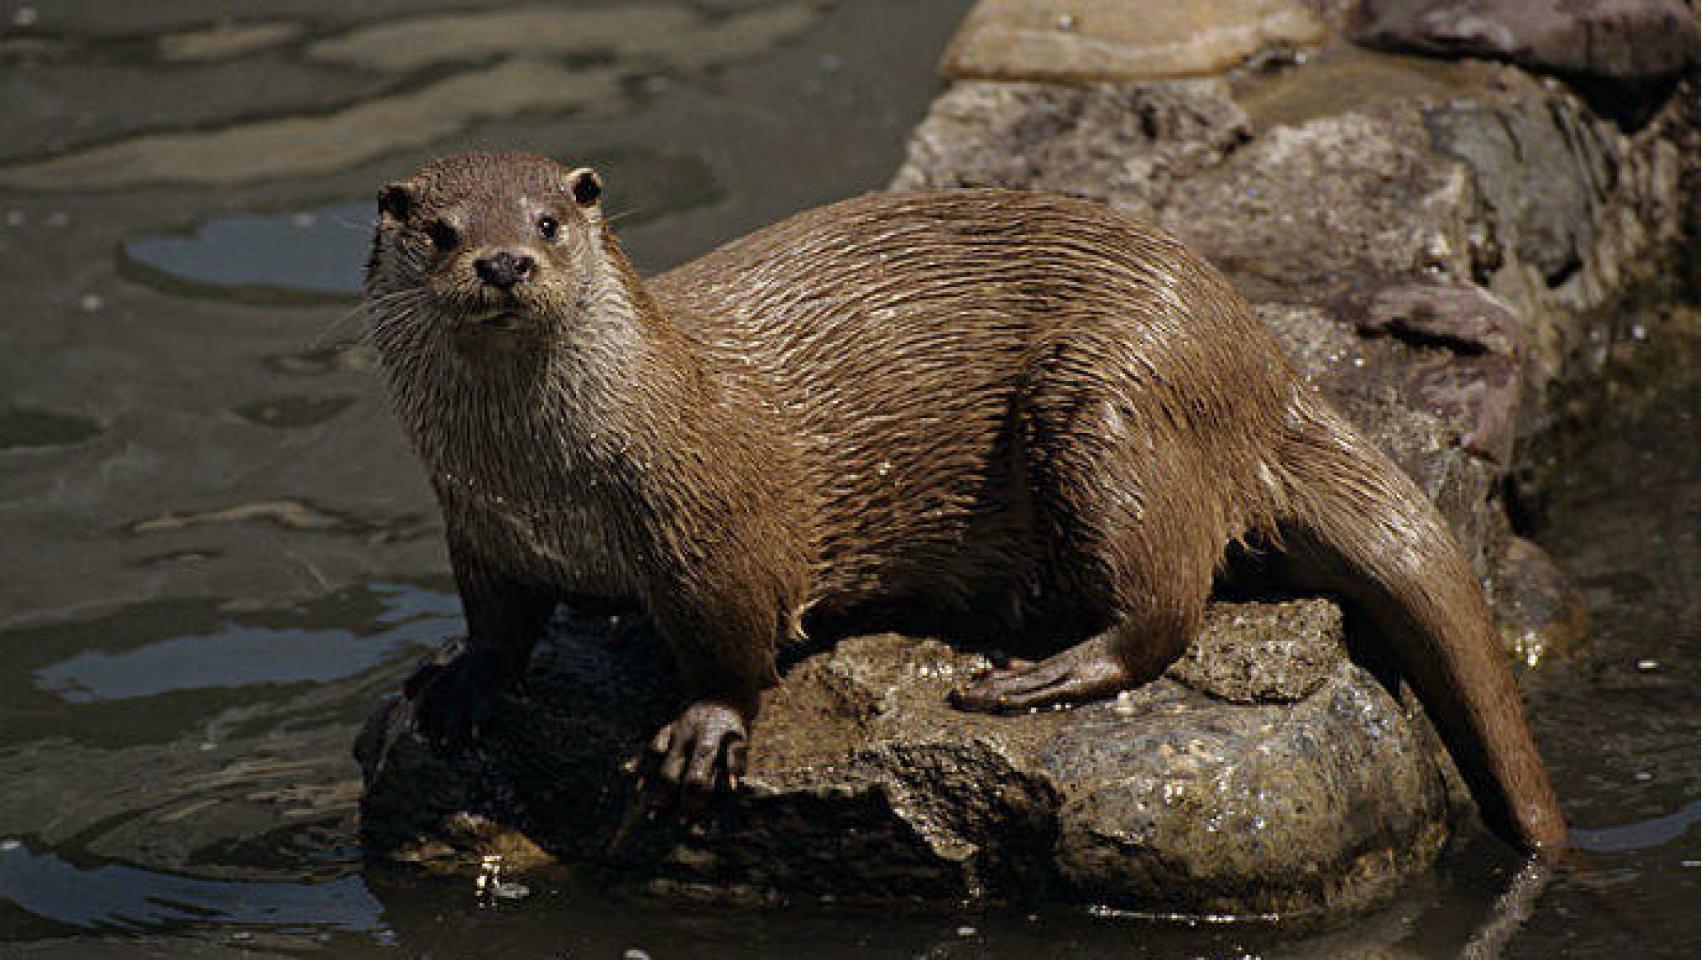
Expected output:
(1489, 177)
(1383, 385)
(1302, 210)
(1581, 212)
(1116, 40)
(1479, 177)
(1544, 171)
(1538, 610)
(1265, 774)
(1345, 78)
(1626, 40)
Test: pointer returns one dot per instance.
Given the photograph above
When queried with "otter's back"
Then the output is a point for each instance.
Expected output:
(906, 337)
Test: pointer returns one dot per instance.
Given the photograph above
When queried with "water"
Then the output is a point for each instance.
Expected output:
(221, 555)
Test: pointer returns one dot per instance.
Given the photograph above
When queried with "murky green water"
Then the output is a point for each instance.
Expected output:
(220, 553)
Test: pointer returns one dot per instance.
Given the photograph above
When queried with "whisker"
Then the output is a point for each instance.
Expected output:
(622, 215)
(384, 303)
(347, 224)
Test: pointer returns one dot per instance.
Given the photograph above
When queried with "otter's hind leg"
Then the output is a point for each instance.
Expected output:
(1135, 537)
(1158, 621)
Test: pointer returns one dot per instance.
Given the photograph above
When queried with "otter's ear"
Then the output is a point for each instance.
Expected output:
(397, 201)
(586, 186)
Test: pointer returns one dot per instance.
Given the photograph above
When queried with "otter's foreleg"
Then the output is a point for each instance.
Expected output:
(452, 691)
(724, 635)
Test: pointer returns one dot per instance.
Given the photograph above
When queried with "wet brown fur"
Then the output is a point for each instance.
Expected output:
(948, 396)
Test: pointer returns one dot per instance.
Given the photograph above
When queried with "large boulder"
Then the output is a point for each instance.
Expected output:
(1265, 774)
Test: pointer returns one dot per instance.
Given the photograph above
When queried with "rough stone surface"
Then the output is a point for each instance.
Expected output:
(1119, 40)
(1094, 142)
(1265, 774)
(1249, 653)
(1625, 40)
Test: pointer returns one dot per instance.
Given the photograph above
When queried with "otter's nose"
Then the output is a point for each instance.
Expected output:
(504, 269)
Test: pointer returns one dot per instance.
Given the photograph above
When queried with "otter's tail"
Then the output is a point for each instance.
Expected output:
(1377, 539)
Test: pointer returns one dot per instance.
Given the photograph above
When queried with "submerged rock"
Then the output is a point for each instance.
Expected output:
(1266, 774)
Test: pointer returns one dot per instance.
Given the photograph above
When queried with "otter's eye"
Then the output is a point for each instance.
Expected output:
(442, 235)
(548, 227)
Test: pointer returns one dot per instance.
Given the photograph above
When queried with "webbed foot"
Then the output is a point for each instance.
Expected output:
(1089, 671)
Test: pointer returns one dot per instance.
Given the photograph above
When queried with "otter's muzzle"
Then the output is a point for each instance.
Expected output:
(504, 269)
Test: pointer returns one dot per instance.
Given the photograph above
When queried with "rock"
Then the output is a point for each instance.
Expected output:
(1265, 774)
(1621, 40)
(1289, 214)
(1277, 653)
(1478, 383)
(1538, 610)
(1094, 142)
(1545, 172)
(1383, 385)
(1117, 40)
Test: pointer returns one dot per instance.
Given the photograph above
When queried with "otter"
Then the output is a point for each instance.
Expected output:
(960, 397)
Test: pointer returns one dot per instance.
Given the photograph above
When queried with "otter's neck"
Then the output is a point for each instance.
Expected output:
(528, 417)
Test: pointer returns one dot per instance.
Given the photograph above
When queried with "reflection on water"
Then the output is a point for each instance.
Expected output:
(114, 897)
(238, 654)
(1642, 835)
(318, 251)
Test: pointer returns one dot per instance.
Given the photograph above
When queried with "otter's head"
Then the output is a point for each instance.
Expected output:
(483, 246)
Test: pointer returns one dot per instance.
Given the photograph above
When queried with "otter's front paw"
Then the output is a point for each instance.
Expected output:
(703, 749)
(451, 692)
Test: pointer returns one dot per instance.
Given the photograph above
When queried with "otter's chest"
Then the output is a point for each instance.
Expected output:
(569, 545)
